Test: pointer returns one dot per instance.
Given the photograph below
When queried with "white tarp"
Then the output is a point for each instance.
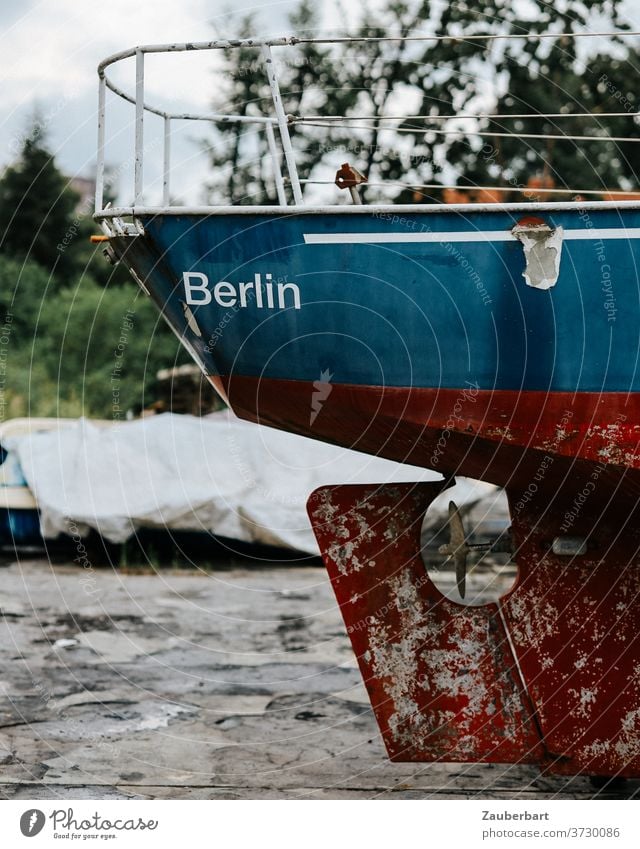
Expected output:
(216, 473)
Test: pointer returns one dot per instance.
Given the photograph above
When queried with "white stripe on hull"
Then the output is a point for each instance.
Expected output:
(591, 234)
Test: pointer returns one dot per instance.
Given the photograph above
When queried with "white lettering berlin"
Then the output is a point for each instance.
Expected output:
(265, 295)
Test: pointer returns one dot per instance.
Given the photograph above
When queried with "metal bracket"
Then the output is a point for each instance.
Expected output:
(348, 178)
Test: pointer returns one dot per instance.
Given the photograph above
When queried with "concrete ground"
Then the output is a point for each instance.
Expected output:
(237, 683)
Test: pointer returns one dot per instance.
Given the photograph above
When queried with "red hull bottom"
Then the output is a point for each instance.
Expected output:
(549, 674)
(506, 438)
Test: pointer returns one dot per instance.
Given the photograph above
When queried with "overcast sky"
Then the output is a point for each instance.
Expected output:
(50, 50)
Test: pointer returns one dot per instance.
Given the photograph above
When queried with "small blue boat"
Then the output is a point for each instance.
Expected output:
(19, 517)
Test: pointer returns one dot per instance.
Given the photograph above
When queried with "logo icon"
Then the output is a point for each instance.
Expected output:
(32, 822)
(321, 390)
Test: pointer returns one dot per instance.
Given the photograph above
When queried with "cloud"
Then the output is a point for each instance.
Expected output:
(51, 51)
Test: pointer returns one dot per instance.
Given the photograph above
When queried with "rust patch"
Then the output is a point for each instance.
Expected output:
(574, 627)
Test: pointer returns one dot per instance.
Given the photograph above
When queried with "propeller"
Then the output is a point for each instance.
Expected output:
(457, 547)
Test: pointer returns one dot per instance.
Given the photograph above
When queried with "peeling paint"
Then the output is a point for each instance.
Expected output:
(625, 748)
(461, 684)
(583, 701)
(574, 630)
(441, 678)
(542, 252)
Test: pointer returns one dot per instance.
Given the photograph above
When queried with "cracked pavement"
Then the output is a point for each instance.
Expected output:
(237, 683)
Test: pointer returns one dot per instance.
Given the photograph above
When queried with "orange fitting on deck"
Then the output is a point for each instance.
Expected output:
(347, 177)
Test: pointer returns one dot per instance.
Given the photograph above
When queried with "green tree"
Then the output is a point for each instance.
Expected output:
(73, 342)
(40, 219)
(36, 207)
(311, 83)
(24, 286)
(436, 81)
(562, 75)
(102, 348)
(85, 350)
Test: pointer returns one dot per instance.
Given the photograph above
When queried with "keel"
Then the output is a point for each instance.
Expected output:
(549, 675)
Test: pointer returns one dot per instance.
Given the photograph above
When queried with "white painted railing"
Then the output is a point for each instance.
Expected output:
(283, 121)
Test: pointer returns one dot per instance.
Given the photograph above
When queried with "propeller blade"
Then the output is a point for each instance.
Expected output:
(457, 547)
(457, 538)
(461, 573)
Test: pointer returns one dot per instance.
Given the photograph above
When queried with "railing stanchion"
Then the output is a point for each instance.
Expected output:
(102, 91)
(166, 172)
(139, 141)
(277, 170)
(282, 124)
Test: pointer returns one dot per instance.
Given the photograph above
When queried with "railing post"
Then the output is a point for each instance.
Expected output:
(166, 199)
(277, 170)
(282, 124)
(139, 139)
(102, 90)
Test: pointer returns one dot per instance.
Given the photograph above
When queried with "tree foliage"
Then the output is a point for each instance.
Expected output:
(560, 75)
(83, 350)
(310, 82)
(36, 207)
(375, 82)
(68, 327)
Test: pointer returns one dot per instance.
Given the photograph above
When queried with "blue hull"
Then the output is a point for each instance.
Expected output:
(452, 310)
(19, 528)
